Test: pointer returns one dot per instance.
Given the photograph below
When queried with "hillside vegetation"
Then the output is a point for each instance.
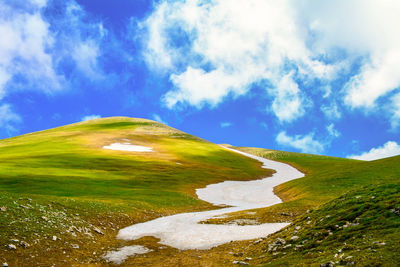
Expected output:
(62, 195)
(343, 212)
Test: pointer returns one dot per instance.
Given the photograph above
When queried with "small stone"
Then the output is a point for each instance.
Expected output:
(327, 264)
(294, 238)
(97, 230)
(280, 241)
(44, 218)
(75, 246)
(54, 238)
(5, 264)
(12, 246)
(297, 227)
(240, 262)
(24, 244)
(3, 209)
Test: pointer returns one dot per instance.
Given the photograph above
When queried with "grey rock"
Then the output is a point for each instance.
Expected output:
(327, 264)
(75, 246)
(12, 246)
(280, 241)
(24, 244)
(5, 264)
(97, 230)
(294, 238)
(3, 209)
(240, 262)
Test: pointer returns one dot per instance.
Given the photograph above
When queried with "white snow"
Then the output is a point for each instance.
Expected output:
(128, 147)
(118, 256)
(183, 231)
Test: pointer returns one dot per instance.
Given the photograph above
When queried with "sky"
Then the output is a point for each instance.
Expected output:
(306, 76)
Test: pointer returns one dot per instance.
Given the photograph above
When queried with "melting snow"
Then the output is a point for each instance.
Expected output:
(128, 147)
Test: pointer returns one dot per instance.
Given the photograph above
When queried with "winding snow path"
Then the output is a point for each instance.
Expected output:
(183, 231)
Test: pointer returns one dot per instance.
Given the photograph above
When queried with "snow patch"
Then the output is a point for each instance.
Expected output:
(120, 255)
(183, 231)
(128, 147)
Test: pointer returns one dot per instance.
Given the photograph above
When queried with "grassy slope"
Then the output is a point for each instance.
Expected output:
(61, 182)
(362, 195)
(326, 178)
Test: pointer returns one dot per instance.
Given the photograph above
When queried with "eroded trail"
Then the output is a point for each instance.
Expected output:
(183, 230)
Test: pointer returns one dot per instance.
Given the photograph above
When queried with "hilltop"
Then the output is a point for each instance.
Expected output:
(64, 195)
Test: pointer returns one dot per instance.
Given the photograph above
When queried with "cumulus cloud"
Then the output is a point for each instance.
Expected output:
(226, 124)
(389, 149)
(35, 45)
(216, 49)
(90, 117)
(304, 143)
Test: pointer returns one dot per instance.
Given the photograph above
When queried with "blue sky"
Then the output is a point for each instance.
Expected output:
(309, 76)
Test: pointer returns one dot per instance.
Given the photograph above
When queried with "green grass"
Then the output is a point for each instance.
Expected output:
(345, 211)
(67, 169)
(326, 177)
(361, 227)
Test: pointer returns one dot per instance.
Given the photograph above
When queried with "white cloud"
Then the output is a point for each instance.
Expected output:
(304, 143)
(332, 131)
(90, 117)
(158, 118)
(8, 119)
(219, 48)
(395, 118)
(288, 104)
(226, 124)
(366, 29)
(331, 111)
(23, 45)
(231, 46)
(33, 47)
(389, 149)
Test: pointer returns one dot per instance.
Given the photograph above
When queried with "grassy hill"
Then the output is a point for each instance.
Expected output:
(63, 198)
(59, 190)
(343, 211)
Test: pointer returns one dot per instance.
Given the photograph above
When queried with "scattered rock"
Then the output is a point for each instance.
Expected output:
(240, 262)
(3, 209)
(12, 246)
(298, 227)
(54, 238)
(75, 246)
(44, 218)
(280, 241)
(396, 210)
(24, 244)
(294, 238)
(258, 241)
(24, 207)
(14, 240)
(97, 230)
(285, 214)
(5, 264)
(327, 264)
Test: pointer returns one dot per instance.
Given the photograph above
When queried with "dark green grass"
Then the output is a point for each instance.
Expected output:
(361, 227)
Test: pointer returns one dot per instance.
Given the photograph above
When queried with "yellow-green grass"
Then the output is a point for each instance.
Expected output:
(66, 176)
(326, 178)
